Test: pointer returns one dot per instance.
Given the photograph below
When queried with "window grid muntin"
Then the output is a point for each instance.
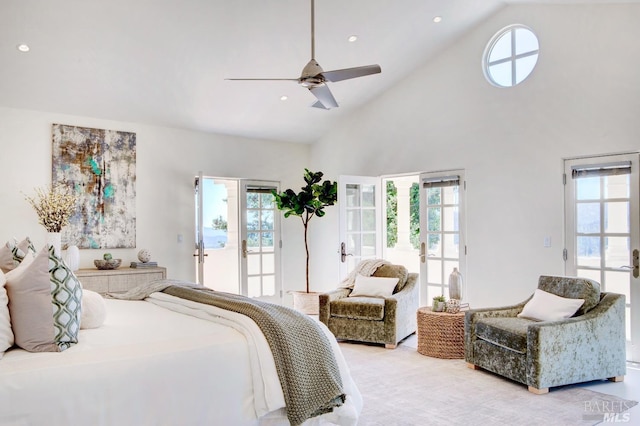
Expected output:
(256, 206)
(513, 58)
(442, 288)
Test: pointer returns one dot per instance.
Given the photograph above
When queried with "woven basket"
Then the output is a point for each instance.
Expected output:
(440, 334)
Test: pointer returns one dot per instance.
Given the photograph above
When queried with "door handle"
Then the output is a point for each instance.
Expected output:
(635, 266)
(244, 249)
(422, 252)
(200, 254)
(343, 252)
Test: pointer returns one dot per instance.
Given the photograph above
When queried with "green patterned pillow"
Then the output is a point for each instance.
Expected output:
(44, 304)
(8, 254)
(66, 295)
(12, 253)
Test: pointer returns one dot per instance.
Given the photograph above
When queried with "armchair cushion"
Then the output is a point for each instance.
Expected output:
(545, 306)
(393, 271)
(373, 286)
(366, 308)
(509, 332)
(573, 288)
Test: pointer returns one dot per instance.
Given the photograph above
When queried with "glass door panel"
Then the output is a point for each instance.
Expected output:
(441, 204)
(359, 220)
(260, 251)
(602, 229)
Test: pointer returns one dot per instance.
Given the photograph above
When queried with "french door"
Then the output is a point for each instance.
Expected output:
(260, 241)
(603, 230)
(359, 202)
(442, 246)
(237, 237)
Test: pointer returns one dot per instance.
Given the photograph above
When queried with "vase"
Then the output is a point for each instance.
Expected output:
(455, 285)
(72, 259)
(55, 239)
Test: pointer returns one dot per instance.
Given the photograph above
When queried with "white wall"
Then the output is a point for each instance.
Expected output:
(167, 162)
(583, 98)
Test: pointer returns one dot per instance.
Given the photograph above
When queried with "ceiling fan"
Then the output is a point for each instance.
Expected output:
(315, 79)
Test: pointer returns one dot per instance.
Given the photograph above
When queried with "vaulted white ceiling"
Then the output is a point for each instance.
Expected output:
(164, 62)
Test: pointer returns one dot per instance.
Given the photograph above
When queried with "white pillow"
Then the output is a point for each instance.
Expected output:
(545, 306)
(373, 286)
(94, 310)
(6, 334)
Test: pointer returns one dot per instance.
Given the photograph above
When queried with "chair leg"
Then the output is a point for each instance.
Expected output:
(538, 391)
(616, 379)
(389, 346)
(472, 366)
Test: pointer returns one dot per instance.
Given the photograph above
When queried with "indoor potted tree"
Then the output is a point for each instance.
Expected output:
(309, 202)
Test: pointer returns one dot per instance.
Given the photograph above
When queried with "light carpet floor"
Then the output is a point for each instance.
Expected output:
(403, 387)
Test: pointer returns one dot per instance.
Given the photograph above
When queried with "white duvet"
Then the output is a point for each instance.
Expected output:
(168, 362)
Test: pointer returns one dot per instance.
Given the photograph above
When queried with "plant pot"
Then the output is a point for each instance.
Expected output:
(438, 306)
(307, 303)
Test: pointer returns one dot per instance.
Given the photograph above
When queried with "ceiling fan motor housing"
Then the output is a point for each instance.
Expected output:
(311, 74)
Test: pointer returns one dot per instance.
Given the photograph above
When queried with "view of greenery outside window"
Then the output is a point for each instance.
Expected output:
(392, 214)
(434, 198)
(260, 215)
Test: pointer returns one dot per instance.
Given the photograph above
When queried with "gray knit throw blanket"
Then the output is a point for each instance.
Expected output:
(306, 366)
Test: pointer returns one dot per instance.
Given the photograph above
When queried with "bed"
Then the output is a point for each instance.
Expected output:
(163, 360)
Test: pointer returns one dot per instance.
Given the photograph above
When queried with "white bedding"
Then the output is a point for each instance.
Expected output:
(149, 365)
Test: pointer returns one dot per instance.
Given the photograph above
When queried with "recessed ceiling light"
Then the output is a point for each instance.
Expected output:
(284, 97)
(23, 48)
(437, 19)
(352, 38)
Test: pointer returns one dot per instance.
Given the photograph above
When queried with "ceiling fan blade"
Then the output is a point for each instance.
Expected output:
(325, 98)
(262, 79)
(347, 73)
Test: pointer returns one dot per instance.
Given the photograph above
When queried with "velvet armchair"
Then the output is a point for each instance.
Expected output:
(384, 320)
(589, 345)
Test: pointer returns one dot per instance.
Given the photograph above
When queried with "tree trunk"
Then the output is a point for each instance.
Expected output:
(306, 247)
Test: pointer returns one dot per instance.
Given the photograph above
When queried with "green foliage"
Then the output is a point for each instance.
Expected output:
(309, 202)
(414, 215)
(314, 197)
(392, 214)
(219, 223)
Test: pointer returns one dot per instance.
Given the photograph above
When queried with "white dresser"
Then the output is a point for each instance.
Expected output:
(118, 280)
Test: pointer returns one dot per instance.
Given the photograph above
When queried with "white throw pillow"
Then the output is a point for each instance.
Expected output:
(373, 286)
(545, 306)
(94, 310)
(6, 334)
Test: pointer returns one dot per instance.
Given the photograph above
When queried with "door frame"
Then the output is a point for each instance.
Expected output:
(343, 251)
(245, 185)
(462, 244)
(570, 255)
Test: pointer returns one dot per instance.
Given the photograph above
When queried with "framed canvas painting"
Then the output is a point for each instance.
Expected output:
(99, 166)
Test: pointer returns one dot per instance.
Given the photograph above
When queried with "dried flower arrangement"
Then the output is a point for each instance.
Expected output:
(54, 206)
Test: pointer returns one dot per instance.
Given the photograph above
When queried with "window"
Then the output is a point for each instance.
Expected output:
(510, 56)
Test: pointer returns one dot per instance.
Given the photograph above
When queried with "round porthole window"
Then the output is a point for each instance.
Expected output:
(510, 56)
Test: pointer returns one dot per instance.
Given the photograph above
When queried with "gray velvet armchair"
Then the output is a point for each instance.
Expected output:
(373, 319)
(542, 354)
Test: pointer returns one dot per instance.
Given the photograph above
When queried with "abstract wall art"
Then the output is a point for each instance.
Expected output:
(99, 166)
